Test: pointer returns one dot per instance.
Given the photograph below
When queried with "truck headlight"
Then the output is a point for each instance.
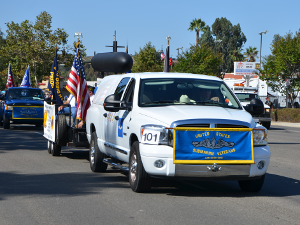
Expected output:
(260, 136)
(8, 107)
(154, 134)
(268, 110)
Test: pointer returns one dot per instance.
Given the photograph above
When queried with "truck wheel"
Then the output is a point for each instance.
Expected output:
(39, 124)
(61, 130)
(1, 121)
(55, 149)
(252, 185)
(266, 124)
(49, 146)
(6, 123)
(96, 156)
(139, 180)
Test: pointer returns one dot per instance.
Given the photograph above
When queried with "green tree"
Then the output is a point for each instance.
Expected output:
(232, 40)
(197, 25)
(199, 60)
(236, 55)
(3, 62)
(207, 38)
(283, 64)
(147, 60)
(251, 54)
(34, 44)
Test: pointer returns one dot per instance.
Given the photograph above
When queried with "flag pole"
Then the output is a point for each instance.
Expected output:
(80, 99)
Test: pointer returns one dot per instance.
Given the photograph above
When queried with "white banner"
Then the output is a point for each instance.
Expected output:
(49, 122)
(246, 68)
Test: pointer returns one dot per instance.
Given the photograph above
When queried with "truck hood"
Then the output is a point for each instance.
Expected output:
(168, 114)
(25, 102)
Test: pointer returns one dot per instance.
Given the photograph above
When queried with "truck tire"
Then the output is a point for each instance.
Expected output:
(61, 130)
(55, 149)
(39, 125)
(252, 185)
(6, 123)
(266, 124)
(139, 180)
(96, 156)
(49, 146)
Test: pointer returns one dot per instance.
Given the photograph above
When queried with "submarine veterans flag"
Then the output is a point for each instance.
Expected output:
(213, 145)
(54, 82)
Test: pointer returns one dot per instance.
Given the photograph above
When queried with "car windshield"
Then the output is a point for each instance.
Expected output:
(185, 91)
(26, 93)
(246, 97)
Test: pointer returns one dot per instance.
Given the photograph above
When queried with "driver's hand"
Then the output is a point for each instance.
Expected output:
(215, 99)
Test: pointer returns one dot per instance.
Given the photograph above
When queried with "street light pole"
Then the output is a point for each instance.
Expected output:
(263, 32)
(178, 51)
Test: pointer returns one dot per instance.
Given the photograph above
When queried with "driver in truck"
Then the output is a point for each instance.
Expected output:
(205, 95)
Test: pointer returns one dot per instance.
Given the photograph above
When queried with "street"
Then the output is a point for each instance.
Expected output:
(37, 188)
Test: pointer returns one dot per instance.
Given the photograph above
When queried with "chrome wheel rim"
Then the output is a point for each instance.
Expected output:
(92, 155)
(133, 167)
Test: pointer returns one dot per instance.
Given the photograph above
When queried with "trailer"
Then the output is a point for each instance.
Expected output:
(59, 129)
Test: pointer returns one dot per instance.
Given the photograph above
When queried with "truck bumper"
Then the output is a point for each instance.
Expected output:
(150, 154)
(262, 119)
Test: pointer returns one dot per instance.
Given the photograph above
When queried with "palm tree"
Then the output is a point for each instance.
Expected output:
(236, 55)
(251, 53)
(197, 25)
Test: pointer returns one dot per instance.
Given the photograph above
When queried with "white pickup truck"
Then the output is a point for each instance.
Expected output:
(176, 125)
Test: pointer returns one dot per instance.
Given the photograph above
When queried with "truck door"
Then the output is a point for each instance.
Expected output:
(124, 124)
(114, 123)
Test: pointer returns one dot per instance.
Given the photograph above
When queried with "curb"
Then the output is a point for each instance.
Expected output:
(286, 124)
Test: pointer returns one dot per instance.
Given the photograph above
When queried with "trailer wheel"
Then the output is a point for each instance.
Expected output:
(49, 146)
(96, 156)
(55, 149)
(139, 180)
(252, 185)
(61, 130)
(6, 123)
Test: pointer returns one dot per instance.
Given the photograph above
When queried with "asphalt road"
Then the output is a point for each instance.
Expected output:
(37, 188)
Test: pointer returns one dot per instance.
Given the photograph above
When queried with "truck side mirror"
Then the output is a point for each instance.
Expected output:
(112, 103)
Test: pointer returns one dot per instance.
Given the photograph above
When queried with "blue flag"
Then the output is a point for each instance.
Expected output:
(26, 82)
(54, 82)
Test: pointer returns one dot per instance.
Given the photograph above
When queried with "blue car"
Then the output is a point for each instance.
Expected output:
(22, 105)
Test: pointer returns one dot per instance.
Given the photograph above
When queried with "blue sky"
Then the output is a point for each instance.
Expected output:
(137, 22)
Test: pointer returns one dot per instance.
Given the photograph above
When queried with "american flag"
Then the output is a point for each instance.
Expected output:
(77, 86)
(162, 56)
(10, 80)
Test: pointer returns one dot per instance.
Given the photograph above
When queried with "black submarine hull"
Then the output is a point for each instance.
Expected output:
(118, 62)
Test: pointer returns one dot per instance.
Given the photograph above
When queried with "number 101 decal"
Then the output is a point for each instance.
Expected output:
(150, 137)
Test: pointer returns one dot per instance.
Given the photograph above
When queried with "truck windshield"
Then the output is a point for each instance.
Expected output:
(26, 93)
(246, 97)
(185, 91)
